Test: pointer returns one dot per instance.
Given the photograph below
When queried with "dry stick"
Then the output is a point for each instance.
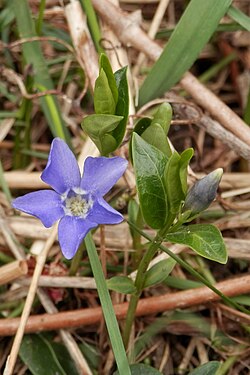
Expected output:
(118, 57)
(41, 259)
(87, 58)
(10, 238)
(24, 180)
(131, 34)
(215, 129)
(12, 271)
(84, 46)
(154, 26)
(146, 306)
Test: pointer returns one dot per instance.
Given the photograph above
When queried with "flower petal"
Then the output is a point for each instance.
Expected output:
(62, 171)
(103, 213)
(71, 232)
(100, 174)
(46, 205)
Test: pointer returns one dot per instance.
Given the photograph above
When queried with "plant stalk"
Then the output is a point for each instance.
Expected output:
(107, 307)
(139, 284)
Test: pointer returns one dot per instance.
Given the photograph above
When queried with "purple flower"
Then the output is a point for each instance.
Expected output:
(77, 201)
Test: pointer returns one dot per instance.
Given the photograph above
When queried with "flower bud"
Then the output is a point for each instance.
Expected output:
(203, 192)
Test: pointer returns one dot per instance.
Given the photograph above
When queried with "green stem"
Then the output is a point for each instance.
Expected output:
(74, 266)
(39, 22)
(185, 265)
(139, 284)
(107, 307)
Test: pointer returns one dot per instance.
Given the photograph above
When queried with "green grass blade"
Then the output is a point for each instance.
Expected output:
(192, 32)
(33, 55)
(4, 185)
(240, 17)
(107, 308)
(93, 24)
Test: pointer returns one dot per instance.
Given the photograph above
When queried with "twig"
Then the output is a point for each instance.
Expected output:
(13, 271)
(154, 26)
(84, 46)
(215, 129)
(41, 259)
(10, 238)
(146, 306)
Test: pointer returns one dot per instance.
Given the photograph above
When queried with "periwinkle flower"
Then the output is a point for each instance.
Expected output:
(76, 201)
(203, 192)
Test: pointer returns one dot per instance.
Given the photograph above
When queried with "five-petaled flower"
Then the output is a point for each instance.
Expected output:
(77, 201)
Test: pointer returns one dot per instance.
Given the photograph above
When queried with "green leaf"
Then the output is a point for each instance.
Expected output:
(149, 164)
(163, 116)
(142, 125)
(205, 239)
(186, 156)
(156, 136)
(104, 102)
(105, 65)
(240, 17)
(141, 369)
(159, 272)
(121, 284)
(37, 353)
(192, 32)
(99, 128)
(209, 368)
(122, 106)
(173, 183)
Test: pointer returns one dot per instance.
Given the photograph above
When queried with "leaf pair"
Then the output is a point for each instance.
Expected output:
(107, 126)
(155, 131)
(162, 189)
(161, 181)
(155, 275)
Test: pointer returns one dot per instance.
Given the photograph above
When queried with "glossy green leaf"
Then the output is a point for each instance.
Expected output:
(159, 272)
(121, 284)
(142, 125)
(156, 136)
(192, 32)
(99, 128)
(205, 239)
(163, 116)
(104, 102)
(186, 156)
(122, 106)
(105, 65)
(141, 369)
(209, 368)
(38, 354)
(173, 183)
(149, 165)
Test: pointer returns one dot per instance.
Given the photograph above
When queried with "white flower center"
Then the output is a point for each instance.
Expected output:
(77, 204)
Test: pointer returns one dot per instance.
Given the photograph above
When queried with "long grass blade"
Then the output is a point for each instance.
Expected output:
(33, 55)
(240, 17)
(192, 32)
(107, 308)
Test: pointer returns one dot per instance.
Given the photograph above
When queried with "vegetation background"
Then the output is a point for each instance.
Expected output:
(48, 66)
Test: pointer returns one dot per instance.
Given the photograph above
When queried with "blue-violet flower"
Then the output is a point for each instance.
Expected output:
(77, 201)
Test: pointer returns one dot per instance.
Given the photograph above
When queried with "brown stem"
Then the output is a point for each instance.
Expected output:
(146, 306)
